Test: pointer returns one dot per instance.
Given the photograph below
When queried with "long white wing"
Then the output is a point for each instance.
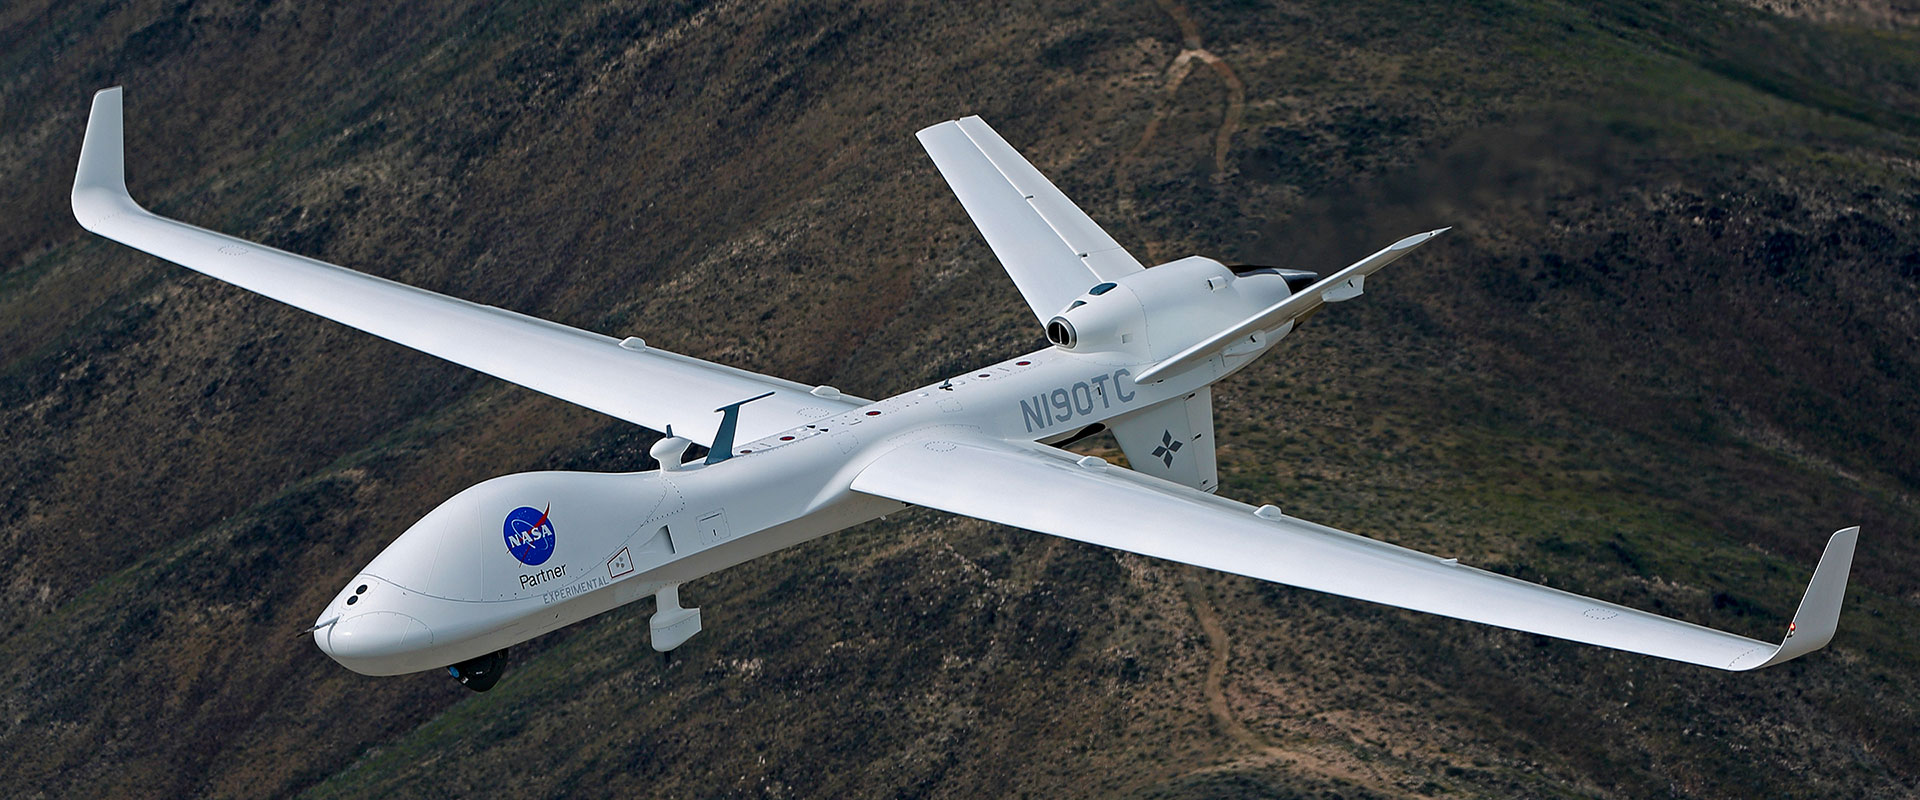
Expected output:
(1045, 490)
(639, 384)
(1053, 251)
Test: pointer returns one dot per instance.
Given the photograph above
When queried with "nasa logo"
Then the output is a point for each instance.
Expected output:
(529, 533)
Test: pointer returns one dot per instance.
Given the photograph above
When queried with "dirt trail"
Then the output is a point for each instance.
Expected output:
(1217, 674)
(1312, 758)
(1177, 74)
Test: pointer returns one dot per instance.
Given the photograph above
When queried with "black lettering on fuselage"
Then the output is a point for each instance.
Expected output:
(553, 573)
(1083, 398)
(1032, 412)
(1079, 399)
(566, 592)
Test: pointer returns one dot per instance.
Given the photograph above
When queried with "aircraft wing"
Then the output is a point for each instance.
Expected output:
(1043, 489)
(1053, 250)
(627, 380)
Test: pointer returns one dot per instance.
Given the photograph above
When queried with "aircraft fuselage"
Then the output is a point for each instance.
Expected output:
(471, 578)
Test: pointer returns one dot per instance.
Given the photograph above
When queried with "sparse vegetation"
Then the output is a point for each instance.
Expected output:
(1670, 344)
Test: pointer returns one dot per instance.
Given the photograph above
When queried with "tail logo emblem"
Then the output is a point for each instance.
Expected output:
(530, 535)
(1167, 448)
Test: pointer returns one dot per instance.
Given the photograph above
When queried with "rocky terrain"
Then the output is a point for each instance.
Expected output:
(1670, 344)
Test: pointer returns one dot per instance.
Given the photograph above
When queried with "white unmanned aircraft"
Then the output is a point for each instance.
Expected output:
(1134, 351)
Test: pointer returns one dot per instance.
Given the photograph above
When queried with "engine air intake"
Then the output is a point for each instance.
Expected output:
(1060, 332)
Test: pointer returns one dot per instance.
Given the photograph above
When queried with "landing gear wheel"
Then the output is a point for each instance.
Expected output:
(480, 674)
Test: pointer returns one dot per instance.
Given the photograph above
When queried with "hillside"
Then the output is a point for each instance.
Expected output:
(1670, 344)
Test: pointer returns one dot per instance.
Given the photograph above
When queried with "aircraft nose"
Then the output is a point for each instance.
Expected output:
(363, 640)
(368, 638)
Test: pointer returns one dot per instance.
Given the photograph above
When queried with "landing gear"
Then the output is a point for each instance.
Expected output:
(480, 674)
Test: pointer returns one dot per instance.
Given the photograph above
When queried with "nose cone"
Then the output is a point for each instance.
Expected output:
(369, 639)
(376, 634)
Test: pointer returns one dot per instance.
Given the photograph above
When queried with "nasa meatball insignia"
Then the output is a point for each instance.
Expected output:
(530, 534)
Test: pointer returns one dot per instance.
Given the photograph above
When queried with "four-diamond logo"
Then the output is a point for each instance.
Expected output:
(1167, 448)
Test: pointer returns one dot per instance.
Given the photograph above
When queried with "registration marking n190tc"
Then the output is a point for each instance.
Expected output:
(1080, 399)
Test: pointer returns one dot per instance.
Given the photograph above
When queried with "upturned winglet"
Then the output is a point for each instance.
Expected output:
(1819, 613)
(100, 182)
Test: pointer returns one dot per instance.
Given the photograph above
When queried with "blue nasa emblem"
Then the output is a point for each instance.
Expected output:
(529, 534)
